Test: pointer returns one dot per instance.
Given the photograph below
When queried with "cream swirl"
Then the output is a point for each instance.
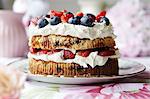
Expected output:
(93, 59)
(99, 30)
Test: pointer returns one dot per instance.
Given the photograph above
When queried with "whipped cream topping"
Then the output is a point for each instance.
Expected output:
(93, 59)
(99, 30)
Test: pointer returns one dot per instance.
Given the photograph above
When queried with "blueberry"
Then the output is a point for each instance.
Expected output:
(54, 20)
(106, 20)
(86, 21)
(43, 23)
(91, 16)
(47, 16)
(74, 20)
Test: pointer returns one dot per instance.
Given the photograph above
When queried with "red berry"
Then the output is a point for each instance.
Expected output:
(68, 55)
(84, 53)
(69, 15)
(33, 50)
(53, 51)
(98, 18)
(64, 11)
(43, 51)
(56, 13)
(64, 18)
(106, 53)
(103, 13)
(100, 15)
(80, 14)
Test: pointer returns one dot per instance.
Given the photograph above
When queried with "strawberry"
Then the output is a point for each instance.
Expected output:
(106, 53)
(33, 50)
(100, 15)
(53, 51)
(56, 13)
(84, 53)
(43, 51)
(68, 55)
(80, 14)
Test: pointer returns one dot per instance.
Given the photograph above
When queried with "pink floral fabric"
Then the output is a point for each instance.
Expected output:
(108, 91)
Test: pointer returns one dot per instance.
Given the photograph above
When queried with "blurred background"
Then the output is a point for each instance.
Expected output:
(130, 18)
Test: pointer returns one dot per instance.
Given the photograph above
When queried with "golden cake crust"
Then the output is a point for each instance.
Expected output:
(72, 69)
(50, 42)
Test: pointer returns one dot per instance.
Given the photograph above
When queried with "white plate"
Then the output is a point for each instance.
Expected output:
(127, 68)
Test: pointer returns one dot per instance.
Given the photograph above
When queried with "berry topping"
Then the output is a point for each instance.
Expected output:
(100, 15)
(74, 20)
(84, 53)
(80, 14)
(43, 23)
(53, 51)
(91, 16)
(105, 20)
(103, 13)
(56, 13)
(68, 55)
(33, 50)
(64, 11)
(54, 20)
(106, 53)
(43, 51)
(65, 17)
(87, 21)
(69, 14)
(47, 16)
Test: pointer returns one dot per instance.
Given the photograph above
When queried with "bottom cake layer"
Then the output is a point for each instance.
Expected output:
(73, 70)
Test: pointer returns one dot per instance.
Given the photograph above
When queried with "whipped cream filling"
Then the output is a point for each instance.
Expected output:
(99, 30)
(93, 59)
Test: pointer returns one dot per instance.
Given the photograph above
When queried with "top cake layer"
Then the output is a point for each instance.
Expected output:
(65, 23)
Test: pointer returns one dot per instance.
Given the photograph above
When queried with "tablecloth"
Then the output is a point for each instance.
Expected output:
(136, 87)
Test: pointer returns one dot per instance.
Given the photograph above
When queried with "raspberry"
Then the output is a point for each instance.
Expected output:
(106, 53)
(65, 17)
(84, 53)
(103, 13)
(80, 14)
(98, 18)
(100, 15)
(56, 13)
(68, 55)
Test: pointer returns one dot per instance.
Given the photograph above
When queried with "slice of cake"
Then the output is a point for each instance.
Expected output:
(64, 44)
